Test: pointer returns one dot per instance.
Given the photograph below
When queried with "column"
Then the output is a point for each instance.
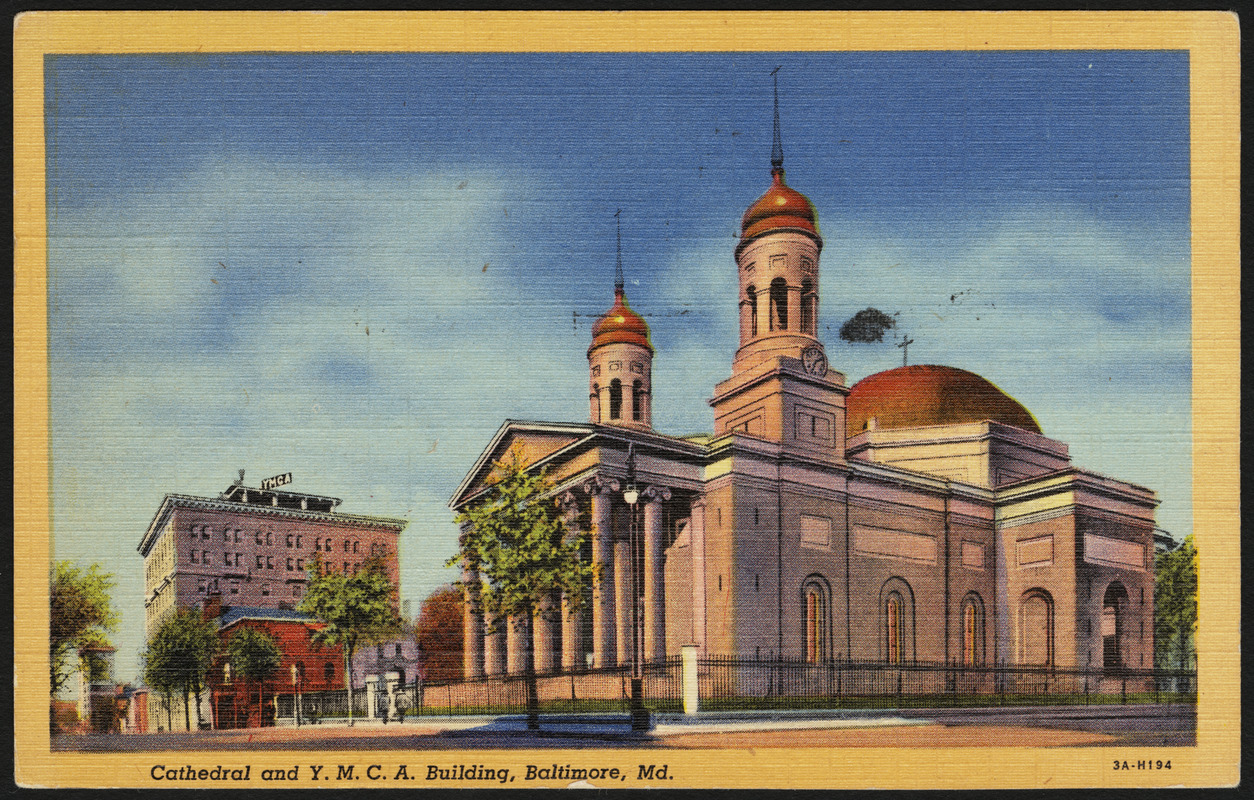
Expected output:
(472, 625)
(493, 645)
(698, 575)
(603, 581)
(624, 589)
(516, 644)
(544, 624)
(572, 618)
(654, 599)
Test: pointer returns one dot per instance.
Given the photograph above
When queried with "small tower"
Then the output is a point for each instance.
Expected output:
(781, 388)
(620, 361)
(778, 268)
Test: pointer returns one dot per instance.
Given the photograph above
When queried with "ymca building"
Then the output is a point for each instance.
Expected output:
(919, 515)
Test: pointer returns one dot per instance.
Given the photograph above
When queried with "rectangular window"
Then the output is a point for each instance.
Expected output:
(289, 564)
(260, 564)
(300, 564)
(345, 545)
(265, 590)
(226, 534)
(269, 541)
(237, 533)
(204, 532)
(234, 587)
(200, 586)
(257, 537)
(298, 540)
(226, 558)
(346, 568)
(269, 562)
(289, 540)
(192, 554)
(204, 556)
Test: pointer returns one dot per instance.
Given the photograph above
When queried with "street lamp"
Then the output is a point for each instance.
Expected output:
(296, 692)
(631, 495)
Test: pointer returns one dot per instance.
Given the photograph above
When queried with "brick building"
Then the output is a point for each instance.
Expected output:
(252, 546)
(920, 515)
(243, 554)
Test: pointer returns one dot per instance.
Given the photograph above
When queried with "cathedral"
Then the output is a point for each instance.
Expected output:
(918, 516)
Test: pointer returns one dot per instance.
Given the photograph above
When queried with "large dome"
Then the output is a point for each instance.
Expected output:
(926, 394)
(780, 207)
(620, 324)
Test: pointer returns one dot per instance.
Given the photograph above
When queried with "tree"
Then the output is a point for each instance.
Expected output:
(356, 608)
(178, 657)
(439, 634)
(1175, 605)
(517, 541)
(81, 614)
(254, 656)
(867, 326)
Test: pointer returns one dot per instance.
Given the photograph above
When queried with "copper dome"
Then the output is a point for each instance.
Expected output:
(620, 324)
(916, 396)
(780, 207)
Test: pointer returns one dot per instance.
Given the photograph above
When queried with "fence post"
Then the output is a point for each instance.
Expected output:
(691, 693)
(1123, 691)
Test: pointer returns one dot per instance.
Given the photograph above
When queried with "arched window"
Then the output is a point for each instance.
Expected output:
(752, 303)
(809, 300)
(1036, 628)
(816, 615)
(972, 630)
(616, 399)
(779, 305)
(892, 628)
(896, 621)
(637, 400)
(226, 673)
(1114, 612)
(594, 399)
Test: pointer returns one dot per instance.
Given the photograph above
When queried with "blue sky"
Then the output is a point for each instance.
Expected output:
(354, 267)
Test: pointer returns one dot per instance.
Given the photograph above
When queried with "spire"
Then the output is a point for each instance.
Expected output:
(777, 145)
(618, 264)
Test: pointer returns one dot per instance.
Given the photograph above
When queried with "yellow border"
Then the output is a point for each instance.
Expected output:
(1212, 39)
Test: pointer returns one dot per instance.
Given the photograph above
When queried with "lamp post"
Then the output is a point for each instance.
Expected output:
(296, 693)
(631, 495)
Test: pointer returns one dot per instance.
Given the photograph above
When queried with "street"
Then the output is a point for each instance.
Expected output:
(1065, 726)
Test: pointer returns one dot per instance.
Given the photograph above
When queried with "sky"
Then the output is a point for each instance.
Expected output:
(355, 267)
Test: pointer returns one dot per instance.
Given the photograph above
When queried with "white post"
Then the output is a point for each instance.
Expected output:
(692, 697)
(372, 688)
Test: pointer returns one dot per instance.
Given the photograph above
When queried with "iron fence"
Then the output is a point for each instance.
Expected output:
(727, 683)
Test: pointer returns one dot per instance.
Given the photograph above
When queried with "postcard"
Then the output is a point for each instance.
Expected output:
(565, 399)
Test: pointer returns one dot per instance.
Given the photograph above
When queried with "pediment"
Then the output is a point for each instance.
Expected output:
(529, 443)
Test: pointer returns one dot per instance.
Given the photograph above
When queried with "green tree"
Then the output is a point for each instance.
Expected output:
(517, 541)
(1175, 605)
(439, 635)
(254, 657)
(178, 658)
(81, 613)
(356, 608)
(867, 326)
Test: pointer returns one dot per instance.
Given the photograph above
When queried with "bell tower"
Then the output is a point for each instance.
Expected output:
(781, 388)
(620, 360)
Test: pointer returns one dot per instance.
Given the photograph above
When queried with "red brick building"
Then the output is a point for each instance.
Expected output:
(239, 703)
